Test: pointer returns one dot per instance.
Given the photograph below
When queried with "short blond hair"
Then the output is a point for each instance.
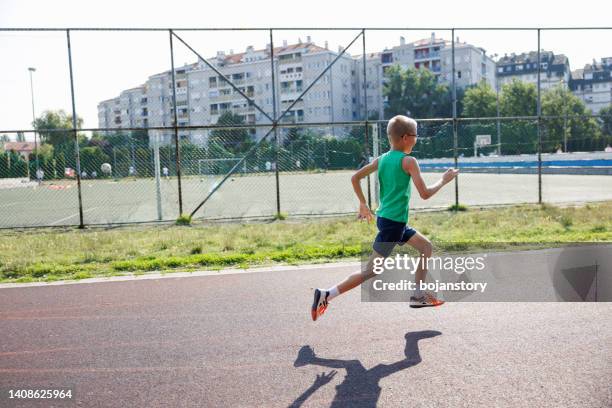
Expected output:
(401, 125)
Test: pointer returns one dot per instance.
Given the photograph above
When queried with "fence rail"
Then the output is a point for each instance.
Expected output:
(273, 161)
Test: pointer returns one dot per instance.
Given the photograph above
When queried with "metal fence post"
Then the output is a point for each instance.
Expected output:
(376, 153)
(274, 123)
(539, 112)
(157, 164)
(454, 105)
(177, 146)
(365, 105)
(75, 132)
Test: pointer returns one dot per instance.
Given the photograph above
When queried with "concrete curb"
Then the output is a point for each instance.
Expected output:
(167, 275)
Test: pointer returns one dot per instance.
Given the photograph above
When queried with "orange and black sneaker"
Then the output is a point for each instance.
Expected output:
(319, 304)
(425, 300)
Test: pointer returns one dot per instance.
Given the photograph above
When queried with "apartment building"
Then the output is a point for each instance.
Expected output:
(593, 84)
(128, 110)
(555, 69)
(202, 95)
(472, 65)
(371, 87)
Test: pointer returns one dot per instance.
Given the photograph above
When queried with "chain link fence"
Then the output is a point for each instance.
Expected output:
(277, 128)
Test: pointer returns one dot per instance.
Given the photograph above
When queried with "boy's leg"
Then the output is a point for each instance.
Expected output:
(420, 298)
(419, 242)
(322, 297)
(358, 278)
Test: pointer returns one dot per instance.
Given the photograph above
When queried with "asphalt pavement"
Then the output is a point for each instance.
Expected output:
(247, 340)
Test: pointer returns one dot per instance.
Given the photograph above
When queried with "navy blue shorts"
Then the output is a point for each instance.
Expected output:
(390, 234)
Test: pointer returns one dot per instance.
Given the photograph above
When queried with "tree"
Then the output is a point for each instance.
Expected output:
(605, 120)
(580, 131)
(235, 140)
(415, 92)
(4, 138)
(480, 101)
(393, 89)
(55, 127)
(357, 133)
(518, 136)
(46, 157)
(12, 165)
(92, 158)
(518, 99)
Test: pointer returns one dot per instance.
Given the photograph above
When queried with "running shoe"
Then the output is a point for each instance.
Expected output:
(425, 300)
(319, 304)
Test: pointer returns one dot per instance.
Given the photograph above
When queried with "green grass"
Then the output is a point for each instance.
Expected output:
(53, 254)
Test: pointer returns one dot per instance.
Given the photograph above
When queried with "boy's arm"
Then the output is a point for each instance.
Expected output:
(364, 210)
(411, 166)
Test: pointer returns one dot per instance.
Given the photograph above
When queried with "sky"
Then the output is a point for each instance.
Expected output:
(105, 63)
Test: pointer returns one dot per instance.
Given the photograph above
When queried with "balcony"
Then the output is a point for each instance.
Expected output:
(292, 117)
(220, 111)
(427, 56)
(292, 90)
(234, 96)
(288, 119)
(298, 105)
(245, 109)
(236, 82)
(282, 60)
(294, 76)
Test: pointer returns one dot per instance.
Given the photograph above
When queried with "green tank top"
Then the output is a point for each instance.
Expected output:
(394, 187)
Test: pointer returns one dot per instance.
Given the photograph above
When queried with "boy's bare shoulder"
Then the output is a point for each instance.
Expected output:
(409, 163)
(410, 160)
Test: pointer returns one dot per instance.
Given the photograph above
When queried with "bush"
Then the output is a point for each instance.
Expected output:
(457, 207)
(184, 219)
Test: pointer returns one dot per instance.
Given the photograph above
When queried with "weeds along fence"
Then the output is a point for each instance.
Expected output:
(276, 125)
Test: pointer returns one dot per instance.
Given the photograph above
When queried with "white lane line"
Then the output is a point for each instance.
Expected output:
(72, 216)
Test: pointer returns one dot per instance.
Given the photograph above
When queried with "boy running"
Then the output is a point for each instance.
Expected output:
(396, 169)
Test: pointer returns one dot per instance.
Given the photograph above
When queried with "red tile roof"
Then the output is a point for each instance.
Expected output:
(308, 47)
(19, 146)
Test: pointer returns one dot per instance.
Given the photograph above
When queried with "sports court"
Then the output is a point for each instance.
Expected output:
(254, 195)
